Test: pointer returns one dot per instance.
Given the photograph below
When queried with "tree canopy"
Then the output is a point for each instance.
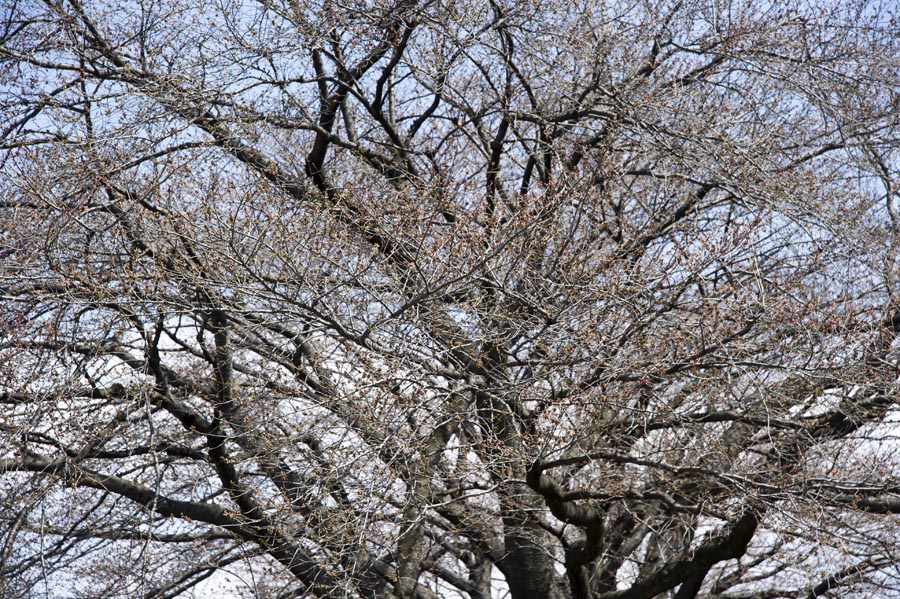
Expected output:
(449, 298)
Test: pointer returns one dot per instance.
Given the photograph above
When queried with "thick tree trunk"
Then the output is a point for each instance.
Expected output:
(528, 565)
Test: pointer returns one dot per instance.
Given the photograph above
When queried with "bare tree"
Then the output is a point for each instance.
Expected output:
(444, 298)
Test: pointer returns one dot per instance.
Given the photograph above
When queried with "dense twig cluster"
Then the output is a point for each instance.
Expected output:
(439, 298)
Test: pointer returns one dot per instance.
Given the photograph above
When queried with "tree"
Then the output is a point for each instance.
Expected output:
(437, 298)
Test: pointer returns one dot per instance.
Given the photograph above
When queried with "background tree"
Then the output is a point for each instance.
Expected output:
(443, 298)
